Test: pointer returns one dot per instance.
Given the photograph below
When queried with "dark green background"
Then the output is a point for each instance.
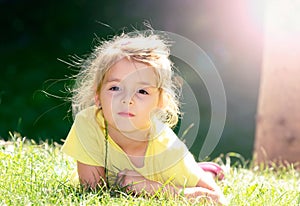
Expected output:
(35, 34)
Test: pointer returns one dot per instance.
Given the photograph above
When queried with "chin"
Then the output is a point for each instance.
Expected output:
(130, 128)
(125, 127)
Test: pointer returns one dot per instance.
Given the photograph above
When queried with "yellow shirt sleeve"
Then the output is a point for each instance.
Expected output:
(75, 149)
(85, 141)
(184, 173)
(174, 161)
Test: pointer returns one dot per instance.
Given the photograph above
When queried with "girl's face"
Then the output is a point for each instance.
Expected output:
(129, 96)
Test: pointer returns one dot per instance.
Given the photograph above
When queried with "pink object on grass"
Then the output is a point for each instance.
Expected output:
(213, 168)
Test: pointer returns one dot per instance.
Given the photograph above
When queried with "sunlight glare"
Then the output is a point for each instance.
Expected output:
(283, 16)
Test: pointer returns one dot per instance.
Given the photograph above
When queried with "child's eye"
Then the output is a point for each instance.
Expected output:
(114, 88)
(142, 91)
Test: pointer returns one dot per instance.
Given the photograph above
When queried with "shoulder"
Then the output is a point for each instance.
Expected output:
(86, 114)
(166, 140)
(89, 115)
(89, 122)
(85, 141)
(168, 136)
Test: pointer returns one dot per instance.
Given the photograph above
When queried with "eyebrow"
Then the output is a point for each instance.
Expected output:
(113, 80)
(140, 82)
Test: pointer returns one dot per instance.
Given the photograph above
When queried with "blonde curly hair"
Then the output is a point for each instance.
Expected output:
(145, 47)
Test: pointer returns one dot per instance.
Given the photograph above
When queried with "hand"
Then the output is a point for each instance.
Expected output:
(200, 193)
(132, 180)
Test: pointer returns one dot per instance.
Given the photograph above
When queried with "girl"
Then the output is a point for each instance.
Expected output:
(125, 104)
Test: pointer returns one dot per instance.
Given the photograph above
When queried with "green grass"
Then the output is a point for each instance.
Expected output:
(37, 174)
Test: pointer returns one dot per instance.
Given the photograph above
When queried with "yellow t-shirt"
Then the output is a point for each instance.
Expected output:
(167, 159)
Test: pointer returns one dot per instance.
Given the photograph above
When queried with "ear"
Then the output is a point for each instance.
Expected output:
(97, 96)
(97, 99)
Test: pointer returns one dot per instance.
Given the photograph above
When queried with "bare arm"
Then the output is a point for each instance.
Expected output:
(90, 176)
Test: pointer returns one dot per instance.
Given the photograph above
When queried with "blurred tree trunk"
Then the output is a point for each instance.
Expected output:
(278, 117)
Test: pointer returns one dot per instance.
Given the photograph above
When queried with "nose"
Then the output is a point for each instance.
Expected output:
(127, 99)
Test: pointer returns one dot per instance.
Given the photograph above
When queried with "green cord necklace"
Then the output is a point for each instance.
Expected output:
(106, 153)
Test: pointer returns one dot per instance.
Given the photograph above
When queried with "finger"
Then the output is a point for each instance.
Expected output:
(120, 179)
(122, 173)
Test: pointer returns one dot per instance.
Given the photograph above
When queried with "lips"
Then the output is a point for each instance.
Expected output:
(126, 114)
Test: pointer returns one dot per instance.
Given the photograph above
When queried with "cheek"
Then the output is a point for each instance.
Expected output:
(105, 98)
(150, 107)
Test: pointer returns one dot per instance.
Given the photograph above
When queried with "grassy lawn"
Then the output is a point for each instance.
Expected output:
(37, 174)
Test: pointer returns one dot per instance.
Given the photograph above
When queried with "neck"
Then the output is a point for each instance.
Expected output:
(132, 143)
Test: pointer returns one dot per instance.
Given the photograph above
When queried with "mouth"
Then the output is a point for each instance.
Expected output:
(126, 114)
